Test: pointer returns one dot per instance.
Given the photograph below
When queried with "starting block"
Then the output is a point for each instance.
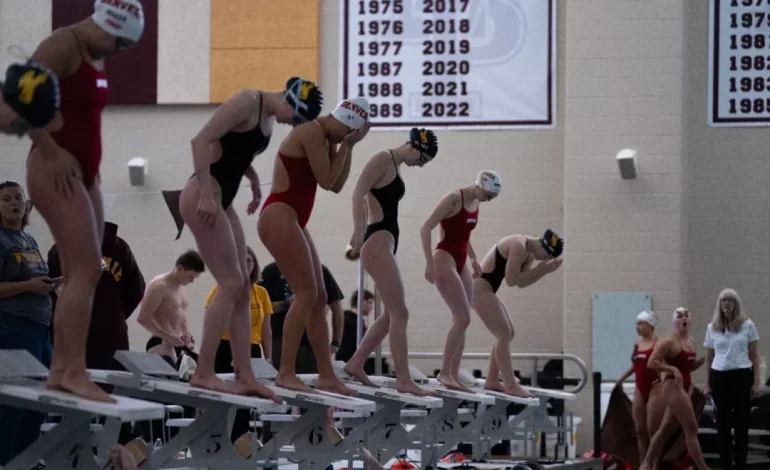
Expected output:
(308, 432)
(208, 436)
(69, 444)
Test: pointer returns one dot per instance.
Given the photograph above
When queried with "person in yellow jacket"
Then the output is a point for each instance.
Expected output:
(261, 309)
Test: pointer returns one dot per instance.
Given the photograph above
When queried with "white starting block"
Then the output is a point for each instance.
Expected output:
(308, 432)
(208, 437)
(69, 444)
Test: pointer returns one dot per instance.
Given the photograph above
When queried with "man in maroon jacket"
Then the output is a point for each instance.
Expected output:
(118, 293)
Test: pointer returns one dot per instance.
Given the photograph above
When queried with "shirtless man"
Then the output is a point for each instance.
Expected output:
(162, 311)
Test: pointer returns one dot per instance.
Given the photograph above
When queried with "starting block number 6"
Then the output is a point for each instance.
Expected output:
(316, 436)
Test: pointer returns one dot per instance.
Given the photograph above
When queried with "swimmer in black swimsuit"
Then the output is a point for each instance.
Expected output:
(222, 154)
(520, 261)
(376, 197)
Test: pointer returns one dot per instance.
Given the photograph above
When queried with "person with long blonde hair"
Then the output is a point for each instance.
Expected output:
(732, 377)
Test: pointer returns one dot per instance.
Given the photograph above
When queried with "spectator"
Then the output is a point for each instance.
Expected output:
(281, 297)
(118, 293)
(25, 310)
(732, 375)
(261, 336)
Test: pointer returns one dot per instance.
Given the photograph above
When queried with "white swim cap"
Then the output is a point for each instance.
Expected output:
(648, 317)
(120, 18)
(352, 112)
(489, 181)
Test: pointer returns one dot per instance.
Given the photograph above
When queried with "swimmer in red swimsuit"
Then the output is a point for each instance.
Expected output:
(62, 175)
(223, 152)
(446, 266)
(521, 261)
(674, 356)
(307, 158)
(376, 198)
(643, 376)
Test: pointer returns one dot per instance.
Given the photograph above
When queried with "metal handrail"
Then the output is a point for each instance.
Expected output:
(534, 357)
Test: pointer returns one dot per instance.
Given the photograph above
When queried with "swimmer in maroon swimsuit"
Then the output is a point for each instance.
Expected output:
(446, 266)
(62, 175)
(643, 376)
(520, 261)
(674, 356)
(223, 151)
(307, 158)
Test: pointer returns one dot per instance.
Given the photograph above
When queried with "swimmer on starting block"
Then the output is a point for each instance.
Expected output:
(447, 267)
(644, 377)
(520, 261)
(223, 150)
(63, 176)
(163, 309)
(307, 158)
(674, 356)
(377, 193)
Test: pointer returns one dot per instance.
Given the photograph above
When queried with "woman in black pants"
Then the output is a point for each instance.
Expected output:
(733, 375)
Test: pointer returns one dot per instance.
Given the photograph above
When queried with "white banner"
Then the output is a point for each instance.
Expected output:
(739, 63)
(459, 64)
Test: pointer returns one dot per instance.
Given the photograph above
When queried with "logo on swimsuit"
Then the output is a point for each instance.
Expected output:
(471, 220)
(356, 109)
(28, 83)
(305, 90)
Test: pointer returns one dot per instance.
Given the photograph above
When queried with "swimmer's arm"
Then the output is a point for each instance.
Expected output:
(531, 275)
(371, 173)
(343, 178)
(231, 114)
(625, 375)
(252, 176)
(516, 256)
(57, 52)
(471, 252)
(148, 308)
(448, 204)
(657, 359)
(325, 169)
(698, 363)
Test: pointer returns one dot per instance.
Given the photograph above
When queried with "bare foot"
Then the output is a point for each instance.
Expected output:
(462, 387)
(249, 386)
(78, 383)
(360, 375)
(517, 390)
(447, 382)
(411, 387)
(211, 382)
(494, 385)
(334, 385)
(292, 382)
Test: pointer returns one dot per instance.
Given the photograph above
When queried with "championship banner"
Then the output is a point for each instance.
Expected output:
(459, 64)
(739, 63)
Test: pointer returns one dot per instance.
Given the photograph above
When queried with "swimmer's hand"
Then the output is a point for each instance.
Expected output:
(207, 209)
(429, 275)
(358, 135)
(256, 198)
(476, 269)
(553, 264)
(677, 377)
(175, 341)
(354, 248)
(65, 171)
(189, 341)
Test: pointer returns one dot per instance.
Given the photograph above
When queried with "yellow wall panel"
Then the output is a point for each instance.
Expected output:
(264, 24)
(262, 69)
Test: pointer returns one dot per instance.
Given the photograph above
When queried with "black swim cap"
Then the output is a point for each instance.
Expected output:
(33, 92)
(305, 97)
(552, 243)
(424, 140)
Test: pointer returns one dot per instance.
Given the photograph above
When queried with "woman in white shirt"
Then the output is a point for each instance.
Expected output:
(733, 375)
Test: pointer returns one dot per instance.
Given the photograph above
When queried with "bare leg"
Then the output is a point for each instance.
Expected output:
(318, 330)
(97, 202)
(240, 325)
(451, 288)
(379, 261)
(639, 413)
(216, 244)
(373, 338)
(79, 251)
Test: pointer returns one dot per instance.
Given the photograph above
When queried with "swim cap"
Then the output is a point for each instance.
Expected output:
(424, 140)
(552, 243)
(648, 317)
(120, 18)
(352, 112)
(32, 91)
(305, 97)
(489, 181)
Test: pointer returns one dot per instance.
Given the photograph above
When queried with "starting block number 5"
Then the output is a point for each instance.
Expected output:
(214, 444)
